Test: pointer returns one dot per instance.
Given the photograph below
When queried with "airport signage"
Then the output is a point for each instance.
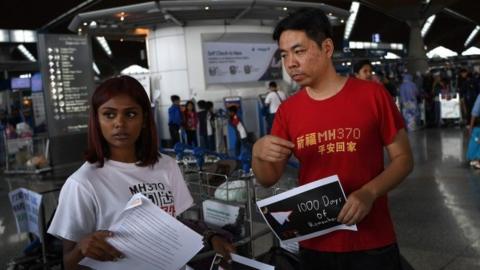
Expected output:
(226, 62)
(67, 75)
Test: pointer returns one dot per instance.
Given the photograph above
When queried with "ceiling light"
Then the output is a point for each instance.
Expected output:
(104, 44)
(471, 36)
(441, 52)
(122, 18)
(285, 8)
(95, 68)
(121, 39)
(207, 7)
(141, 31)
(4, 36)
(427, 25)
(342, 21)
(22, 36)
(26, 53)
(391, 55)
(351, 20)
(471, 51)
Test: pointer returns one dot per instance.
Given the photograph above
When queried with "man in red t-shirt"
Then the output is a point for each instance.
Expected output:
(337, 125)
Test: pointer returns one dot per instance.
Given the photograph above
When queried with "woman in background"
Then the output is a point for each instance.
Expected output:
(191, 122)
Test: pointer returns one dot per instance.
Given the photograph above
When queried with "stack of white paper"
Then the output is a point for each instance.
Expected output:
(149, 238)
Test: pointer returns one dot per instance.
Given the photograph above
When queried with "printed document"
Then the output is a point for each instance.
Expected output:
(307, 211)
(149, 238)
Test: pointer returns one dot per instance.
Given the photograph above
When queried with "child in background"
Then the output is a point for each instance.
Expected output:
(240, 131)
(191, 122)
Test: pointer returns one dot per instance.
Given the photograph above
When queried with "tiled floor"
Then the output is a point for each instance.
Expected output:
(436, 210)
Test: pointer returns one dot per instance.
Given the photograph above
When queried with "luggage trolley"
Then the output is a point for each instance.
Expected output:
(26, 155)
(224, 195)
(44, 251)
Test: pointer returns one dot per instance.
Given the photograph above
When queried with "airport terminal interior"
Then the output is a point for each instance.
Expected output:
(215, 63)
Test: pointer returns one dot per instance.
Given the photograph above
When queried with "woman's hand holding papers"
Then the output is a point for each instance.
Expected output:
(222, 247)
(96, 247)
(358, 205)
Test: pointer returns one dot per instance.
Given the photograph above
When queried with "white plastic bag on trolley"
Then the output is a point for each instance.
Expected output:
(233, 191)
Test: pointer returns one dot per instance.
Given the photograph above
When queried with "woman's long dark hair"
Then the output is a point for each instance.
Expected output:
(146, 146)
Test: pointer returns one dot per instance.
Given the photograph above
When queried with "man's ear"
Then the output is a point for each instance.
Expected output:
(328, 47)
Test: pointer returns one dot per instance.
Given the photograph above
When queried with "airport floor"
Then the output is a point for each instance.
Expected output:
(436, 210)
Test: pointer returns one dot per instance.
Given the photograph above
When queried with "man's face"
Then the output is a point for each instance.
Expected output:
(365, 73)
(303, 59)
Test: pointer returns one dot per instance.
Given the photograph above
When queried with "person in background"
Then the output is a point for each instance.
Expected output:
(240, 130)
(191, 122)
(273, 100)
(473, 149)
(202, 123)
(468, 91)
(210, 140)
(122, 159)
(428, 97)
(408, 101)
(389, 86)
(337, 125)
(439, 88)
(363, 70)
(175, 120)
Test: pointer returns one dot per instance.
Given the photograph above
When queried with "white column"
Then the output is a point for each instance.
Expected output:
(168, 70)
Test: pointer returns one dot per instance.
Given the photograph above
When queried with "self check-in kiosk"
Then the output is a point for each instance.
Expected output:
(261, 113)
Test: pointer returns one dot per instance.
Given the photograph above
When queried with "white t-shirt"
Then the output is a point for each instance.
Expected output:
(273, 100)
(241, 130)
(209, 124)
(92, 198)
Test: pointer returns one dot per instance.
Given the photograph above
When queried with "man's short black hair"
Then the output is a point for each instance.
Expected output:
(311, 20)
(208, 105)
(360, 64)
(174, 98)
(272, 84)
(201, 104)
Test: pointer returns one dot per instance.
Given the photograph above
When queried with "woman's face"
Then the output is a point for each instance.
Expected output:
(121, 122)
(189, 106)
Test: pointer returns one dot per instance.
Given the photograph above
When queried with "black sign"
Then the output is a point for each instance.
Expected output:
(67, 75)
(307, 211)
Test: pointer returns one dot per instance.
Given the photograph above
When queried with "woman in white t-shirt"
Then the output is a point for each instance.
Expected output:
(122, 159)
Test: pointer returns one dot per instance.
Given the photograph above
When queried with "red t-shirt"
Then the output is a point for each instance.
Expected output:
(344, 135)
(191, 120)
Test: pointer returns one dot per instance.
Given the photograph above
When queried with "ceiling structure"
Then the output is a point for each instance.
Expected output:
(455, 19)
